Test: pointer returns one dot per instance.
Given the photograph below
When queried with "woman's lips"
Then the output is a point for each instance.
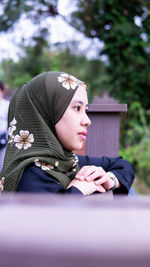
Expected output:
(83, 135)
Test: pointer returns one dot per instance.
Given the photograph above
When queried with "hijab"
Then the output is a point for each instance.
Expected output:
(33, 112)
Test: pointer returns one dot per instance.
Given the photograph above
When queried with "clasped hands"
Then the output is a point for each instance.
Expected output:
(90, 179)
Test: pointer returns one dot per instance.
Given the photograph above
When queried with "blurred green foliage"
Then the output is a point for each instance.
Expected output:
(138, 136)
(136, 125)
(32, 63)
(36, 11)
(125, 43)
(139, 155)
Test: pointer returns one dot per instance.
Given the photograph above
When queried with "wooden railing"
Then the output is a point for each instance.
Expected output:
(44, 230)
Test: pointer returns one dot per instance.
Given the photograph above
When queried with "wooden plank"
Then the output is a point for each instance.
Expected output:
(43, 230)
(103, 135)
(107, 108)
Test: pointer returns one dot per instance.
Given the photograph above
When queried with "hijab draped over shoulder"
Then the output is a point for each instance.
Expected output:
(34, 110)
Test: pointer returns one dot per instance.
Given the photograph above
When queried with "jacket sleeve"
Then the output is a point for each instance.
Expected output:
(35, 180)
(121, 168)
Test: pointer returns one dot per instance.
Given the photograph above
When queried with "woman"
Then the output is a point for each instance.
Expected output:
(47, 121)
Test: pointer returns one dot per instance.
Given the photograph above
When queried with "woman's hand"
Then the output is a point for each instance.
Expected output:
(87, 188)
(96, 174)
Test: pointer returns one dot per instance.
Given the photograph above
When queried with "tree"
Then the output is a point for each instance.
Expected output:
(13, 10)
(36, 11)
(126, 44)
(37, 59)
(129, 57)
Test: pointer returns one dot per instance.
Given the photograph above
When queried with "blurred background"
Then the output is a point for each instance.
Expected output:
(105, 43)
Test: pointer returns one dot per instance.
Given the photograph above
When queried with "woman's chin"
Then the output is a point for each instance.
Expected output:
(78, 147)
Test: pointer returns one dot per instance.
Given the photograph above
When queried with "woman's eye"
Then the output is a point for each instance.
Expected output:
(78, 108)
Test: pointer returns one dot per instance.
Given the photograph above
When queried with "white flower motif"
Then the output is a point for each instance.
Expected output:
(10, 138)
(68, 81)
(23, 140)
(47, 167)
(12, 127)
(37, 163)
(75, 159)
(2, 184)
(43, 165)
(13, 122)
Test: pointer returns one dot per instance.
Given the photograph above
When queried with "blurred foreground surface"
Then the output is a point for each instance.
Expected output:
(46, 230)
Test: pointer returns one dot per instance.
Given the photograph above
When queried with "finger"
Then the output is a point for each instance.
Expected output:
(100, 189)
(79, 174)
(108, 185)
(89, 171)
(102, 180)
(85, 171)
(99, 172)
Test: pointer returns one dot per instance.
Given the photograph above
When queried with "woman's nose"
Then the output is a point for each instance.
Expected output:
(86, 121)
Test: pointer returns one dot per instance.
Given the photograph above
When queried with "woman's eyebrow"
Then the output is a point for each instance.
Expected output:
(80, 102)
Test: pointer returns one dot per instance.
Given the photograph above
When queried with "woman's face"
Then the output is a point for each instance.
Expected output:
(71, 129)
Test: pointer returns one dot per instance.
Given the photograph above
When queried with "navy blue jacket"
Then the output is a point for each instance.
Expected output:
(34, 179)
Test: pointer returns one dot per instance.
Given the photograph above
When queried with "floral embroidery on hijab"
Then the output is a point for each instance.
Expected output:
(68, 81)
(2, 184)
(76, 159)
(23, 140)
(43, 165)
(11, 129)
(10, 138)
